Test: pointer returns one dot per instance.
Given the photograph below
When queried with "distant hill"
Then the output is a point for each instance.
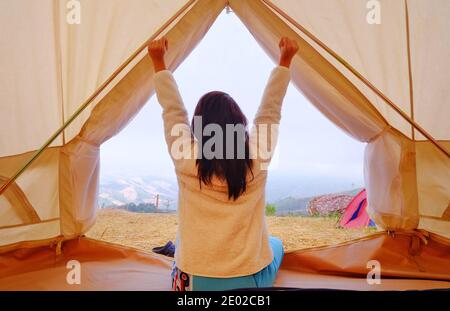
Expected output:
(282, 185)
(292, 206)
(290, 194)
(143, 208)
(119, 190)
(299, 206)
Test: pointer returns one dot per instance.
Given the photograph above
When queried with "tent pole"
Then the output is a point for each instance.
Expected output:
(93, 96)
(358, 75)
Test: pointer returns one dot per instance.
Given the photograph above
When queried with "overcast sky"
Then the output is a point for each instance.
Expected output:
(229, 59)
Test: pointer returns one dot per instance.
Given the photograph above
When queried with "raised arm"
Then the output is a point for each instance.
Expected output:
(269, 111)
(264, 132)
(175, 118)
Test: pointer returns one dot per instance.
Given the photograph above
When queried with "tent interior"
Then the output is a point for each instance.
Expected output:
(384, 84)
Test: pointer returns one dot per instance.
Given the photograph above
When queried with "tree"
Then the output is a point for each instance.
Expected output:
(271, 210)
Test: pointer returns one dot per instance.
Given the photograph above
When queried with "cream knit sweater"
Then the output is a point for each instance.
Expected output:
(218, 237)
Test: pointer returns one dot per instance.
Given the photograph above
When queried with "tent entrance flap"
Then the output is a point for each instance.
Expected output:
(349, 67)
(94, 95)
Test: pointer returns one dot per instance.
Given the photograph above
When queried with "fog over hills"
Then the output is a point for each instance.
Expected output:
(119, 189)
(286, 191)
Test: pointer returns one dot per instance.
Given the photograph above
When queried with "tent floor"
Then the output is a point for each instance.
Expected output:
(106, 266)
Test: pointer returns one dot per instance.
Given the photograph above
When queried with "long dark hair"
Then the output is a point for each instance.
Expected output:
(232, 166)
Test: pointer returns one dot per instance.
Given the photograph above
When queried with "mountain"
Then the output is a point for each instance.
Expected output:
(292, 206)
(296, 185)
(290, 193)
(121, 189)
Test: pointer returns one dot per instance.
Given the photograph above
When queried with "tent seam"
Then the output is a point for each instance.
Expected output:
(58, 54)
(410, 78)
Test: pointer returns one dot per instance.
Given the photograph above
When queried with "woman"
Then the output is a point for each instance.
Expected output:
(222, 240)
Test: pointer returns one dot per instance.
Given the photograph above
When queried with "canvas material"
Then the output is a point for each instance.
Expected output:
(105, 266)
(72, 59)
(333, 90)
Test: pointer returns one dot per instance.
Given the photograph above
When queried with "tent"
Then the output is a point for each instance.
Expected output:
(355, 214)
(69, 83)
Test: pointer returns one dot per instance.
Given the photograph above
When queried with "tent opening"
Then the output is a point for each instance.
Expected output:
(316, 171)
(75, 86)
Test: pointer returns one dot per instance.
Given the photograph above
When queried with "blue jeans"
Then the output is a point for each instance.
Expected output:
(264, 278)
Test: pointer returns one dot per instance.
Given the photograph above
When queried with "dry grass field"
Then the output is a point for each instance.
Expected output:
(145, 231)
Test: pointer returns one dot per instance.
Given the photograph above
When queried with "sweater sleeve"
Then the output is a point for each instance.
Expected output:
(177, 131)
(264, 132)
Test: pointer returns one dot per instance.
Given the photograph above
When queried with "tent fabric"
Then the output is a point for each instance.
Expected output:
(61, 64)
(105, 266)
(422, 259)
(346, 266)
(71, 171)
(380, 52)
(39, 184)
(355, 214)
(48, 68)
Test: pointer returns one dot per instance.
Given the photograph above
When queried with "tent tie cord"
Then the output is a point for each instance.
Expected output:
(418, 237)
(57, 244)
(358, 75)
(420, 234)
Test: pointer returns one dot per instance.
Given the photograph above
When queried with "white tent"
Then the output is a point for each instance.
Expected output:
(385, 84)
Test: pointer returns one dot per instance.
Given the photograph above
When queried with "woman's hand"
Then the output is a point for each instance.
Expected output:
(157, 49)
(288, 48)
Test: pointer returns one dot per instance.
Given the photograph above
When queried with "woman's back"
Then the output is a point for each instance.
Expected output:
(216, 235)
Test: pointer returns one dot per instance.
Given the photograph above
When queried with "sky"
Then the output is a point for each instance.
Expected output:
(230, 60)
